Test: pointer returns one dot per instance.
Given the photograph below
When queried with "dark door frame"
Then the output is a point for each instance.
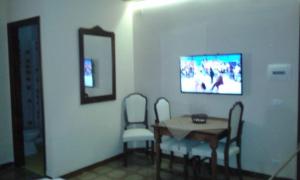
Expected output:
(298, 127)
(15, 88)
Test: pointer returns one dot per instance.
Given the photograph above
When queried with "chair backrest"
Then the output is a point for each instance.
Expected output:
(235, 119)
(162, 109)
(135, 107)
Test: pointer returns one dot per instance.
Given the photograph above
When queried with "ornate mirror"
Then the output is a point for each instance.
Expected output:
(97, 65)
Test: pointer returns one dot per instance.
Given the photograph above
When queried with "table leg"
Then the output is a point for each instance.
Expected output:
(213, 145)
(158, 152)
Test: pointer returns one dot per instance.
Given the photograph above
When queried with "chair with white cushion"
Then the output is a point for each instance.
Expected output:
(232, 145)
(135, 109)
(171, 145)
(163, 113)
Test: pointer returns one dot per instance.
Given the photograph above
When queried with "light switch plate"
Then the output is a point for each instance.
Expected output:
(279, 72)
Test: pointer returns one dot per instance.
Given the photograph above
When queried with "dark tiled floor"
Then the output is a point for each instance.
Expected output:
(139, 168)
(12, 173)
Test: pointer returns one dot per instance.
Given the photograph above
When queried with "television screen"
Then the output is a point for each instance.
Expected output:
(88, 72)
(211, 74)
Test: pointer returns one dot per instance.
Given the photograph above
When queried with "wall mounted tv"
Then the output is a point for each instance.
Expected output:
(212, 74)
(89, 73)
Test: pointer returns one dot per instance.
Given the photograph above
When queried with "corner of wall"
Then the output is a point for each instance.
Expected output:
(6, 153)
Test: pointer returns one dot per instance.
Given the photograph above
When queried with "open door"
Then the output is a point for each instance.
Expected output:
(24, 47)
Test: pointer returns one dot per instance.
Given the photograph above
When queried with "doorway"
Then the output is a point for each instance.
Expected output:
(24, 47)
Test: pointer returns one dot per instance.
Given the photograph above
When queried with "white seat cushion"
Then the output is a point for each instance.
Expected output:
(183, 147)
(204, 150)
(137, 134)
(223, 140)
(166, 144)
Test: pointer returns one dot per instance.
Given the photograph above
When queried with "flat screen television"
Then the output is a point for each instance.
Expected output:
(211, 74)
(89, 73)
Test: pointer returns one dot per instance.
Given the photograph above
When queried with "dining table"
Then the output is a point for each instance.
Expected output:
(183, 127)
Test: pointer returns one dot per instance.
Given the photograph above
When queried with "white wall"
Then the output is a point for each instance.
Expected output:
(265, 31)
(76, 135)
(6, 147)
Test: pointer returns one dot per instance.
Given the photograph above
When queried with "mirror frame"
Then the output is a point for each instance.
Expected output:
(95, 31)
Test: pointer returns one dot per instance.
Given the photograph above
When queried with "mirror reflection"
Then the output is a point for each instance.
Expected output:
(97, 65)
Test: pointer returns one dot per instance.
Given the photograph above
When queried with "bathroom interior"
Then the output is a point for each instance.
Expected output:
(30, 78)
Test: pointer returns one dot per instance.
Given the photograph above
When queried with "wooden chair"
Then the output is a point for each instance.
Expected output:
(162, 113)
(135, 110)
(232, 145)
(170, 145)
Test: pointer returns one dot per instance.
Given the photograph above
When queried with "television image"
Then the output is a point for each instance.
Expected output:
(211, 74)
(88, 72)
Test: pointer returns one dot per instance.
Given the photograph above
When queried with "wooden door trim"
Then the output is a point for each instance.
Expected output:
(298, 126)
(15, 88)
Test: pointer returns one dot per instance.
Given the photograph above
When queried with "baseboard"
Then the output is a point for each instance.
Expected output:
(255, 174)
(262, 176)
(90, 167)
(249, 173)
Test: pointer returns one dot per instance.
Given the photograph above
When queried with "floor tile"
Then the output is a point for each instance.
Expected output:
(117, 173)
(146, 171)
(102, 178)
(87, 175)
(139, 167)
(103, 170)
(134, 177)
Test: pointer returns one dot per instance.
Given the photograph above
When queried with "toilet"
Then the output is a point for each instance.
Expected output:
(30, 136)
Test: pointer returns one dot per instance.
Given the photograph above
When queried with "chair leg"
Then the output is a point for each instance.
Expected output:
(152, 151)
(125, 152)
(238, 162)
(196, 165)
(147, 148)
(209, 170)
(226, 163)
(158, 162)
(186, 160)
(209, 166)
(171, 160)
